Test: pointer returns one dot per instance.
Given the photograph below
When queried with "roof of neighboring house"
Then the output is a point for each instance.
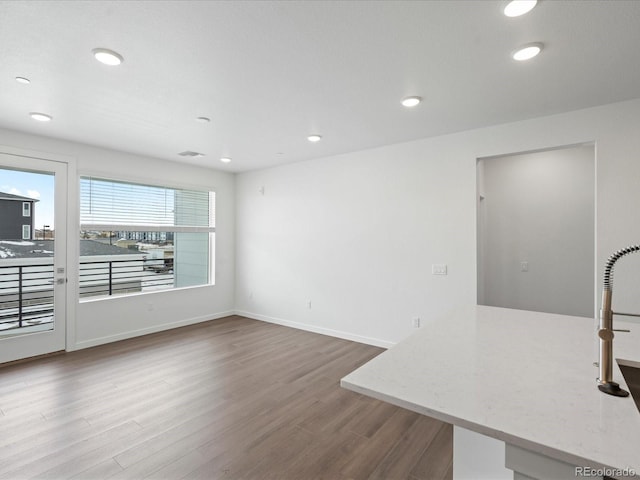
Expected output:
(44, 248)
(11, 196)
(93, 247)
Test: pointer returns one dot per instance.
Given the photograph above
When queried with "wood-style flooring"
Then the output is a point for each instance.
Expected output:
(228, 399)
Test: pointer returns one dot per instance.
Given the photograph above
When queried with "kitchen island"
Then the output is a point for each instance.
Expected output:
(519, 387)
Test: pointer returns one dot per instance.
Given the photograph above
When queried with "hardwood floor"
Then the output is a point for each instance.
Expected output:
(228, 399)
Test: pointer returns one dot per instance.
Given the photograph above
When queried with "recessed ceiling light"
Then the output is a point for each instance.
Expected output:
(527, 52)
(108, 57)
(314, 138)
(41, 117)
(411, 101)
(23, 80)
(516, 8)
(225, 160)
(203, 119)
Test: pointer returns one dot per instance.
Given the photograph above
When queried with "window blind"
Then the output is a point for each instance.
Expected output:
(111, 204)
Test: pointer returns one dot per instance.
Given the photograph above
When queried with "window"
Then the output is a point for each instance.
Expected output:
(139, 238)
(26, 209)
(26, 232)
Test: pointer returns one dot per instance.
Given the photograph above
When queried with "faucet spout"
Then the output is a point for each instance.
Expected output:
(605, 332)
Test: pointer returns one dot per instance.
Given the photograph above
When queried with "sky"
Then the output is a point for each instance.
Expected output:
(33, 185)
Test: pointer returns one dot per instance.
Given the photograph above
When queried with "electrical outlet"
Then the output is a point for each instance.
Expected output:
(524, 266)
(439, 269)
(416, 322)
(309, 304)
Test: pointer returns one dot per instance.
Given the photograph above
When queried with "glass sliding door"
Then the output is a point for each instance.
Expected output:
(32, 256)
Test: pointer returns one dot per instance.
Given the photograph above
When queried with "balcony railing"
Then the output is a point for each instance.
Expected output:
(119, 277)
(27, 295)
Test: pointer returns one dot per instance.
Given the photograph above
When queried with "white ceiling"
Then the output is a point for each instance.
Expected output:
(269, 73)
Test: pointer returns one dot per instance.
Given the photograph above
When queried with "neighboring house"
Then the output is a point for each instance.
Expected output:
(164, 237)
(16, 217)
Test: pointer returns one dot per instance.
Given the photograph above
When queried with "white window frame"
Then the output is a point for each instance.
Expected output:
(26, 232)
(160, 228)
(26, 209)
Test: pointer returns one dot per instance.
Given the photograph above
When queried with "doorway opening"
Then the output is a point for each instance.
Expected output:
(536, 231)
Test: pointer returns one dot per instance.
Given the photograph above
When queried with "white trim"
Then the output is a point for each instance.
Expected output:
(22, 152)
(26, 232)
(136, 294)
(28, 209)
(146, 331)
(145, 228)
(149, 182)
(323, 331)
(73, 251)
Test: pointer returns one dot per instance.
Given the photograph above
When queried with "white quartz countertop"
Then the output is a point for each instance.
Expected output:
(526, 378)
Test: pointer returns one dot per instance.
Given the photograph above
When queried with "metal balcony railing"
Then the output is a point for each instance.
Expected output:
(27, 294)
(118, 277)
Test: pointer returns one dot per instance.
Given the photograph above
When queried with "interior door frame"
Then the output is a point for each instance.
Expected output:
(65, 190)
(481, 210)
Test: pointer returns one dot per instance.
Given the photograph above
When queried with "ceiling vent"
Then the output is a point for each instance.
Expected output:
(189, 153)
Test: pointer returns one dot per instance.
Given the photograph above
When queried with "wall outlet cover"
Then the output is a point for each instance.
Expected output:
(439, 269)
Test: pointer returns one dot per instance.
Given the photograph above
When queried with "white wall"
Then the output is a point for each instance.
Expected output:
(538, 208)
(356, 234)
(100, 321)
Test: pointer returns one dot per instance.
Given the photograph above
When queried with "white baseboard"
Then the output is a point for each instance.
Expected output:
(255, 316)
(145, 331)
(315, 329)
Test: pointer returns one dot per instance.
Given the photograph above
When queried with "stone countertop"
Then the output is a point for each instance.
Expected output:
(526, 378)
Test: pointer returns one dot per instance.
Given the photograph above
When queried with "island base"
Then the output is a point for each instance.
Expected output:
(478, 457)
